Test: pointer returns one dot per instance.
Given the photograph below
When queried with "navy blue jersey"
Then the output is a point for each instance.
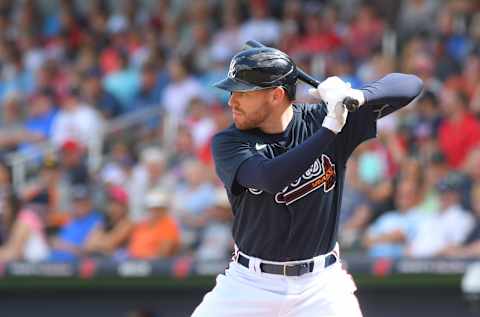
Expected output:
(300, 221)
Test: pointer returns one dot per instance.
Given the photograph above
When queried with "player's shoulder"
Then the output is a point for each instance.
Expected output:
(230, 132)
(230, 135)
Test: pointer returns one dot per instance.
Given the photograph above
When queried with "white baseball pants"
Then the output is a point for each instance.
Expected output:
(243, 292)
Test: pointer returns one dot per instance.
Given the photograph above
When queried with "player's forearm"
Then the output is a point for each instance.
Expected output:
(272, 175)
(391, 92)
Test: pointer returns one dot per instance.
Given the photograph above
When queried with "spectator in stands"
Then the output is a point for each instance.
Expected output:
(192, 212)
(416, 16)
(73, 161)
(95, 95)
(18, 79)
(216, 240)
(373, 171)
(429, 117)
(48, 186)
(150, 173)
(27, 240)
(76, 121)
(200, 122)
(68, 245)
(157, 236)
(199, 49)
(319, 37)
(472, 173)
(364, 33)
(152, 84)
(261, 25)
(113, 234)
(446, 228)
(123, 83)
(12, 130)
(180, 90)
(184, 149)
(436, 169)
(41, 114)
(7, 202)
(470, 248)
(51, 76)
(356, 211)
(466, 82)
(418, 59)
(460, 131)
(118, 164)
(227, 42)
(389, 234)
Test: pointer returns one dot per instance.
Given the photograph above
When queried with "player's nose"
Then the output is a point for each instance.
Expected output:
(232, 100)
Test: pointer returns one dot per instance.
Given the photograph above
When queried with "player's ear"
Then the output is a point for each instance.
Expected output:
(278, 94)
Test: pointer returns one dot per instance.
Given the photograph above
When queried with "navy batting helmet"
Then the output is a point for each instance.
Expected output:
(260, 68)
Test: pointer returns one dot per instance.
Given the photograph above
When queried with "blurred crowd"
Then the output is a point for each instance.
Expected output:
(68, 69)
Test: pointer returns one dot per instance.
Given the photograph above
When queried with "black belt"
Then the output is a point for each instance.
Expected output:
(287, 269)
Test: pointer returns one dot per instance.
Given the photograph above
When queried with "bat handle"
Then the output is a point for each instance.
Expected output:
(351, 104)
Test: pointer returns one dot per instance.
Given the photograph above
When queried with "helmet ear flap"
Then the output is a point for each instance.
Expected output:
(291, 91)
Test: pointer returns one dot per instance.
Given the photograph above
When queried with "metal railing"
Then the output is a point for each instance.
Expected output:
(22, 162)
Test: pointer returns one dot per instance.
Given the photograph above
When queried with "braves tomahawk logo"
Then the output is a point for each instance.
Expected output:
(320, 174)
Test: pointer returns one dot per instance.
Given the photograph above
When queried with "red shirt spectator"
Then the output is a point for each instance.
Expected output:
(457, 138)
(319, 37)
(460, 132)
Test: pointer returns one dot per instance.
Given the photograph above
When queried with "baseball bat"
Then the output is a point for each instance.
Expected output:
(350, 103)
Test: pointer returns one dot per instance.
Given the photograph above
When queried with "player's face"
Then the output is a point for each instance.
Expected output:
(250, 109)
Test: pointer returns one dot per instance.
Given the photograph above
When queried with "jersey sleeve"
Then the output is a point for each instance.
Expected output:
(361, 125)
(229, 152)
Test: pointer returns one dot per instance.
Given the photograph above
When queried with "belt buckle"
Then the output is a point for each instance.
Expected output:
(286, 266)
(285, 269)
(301, 268)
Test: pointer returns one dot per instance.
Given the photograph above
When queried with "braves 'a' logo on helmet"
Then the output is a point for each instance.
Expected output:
(232, 71)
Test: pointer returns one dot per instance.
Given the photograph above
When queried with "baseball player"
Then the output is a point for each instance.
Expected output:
(283, 167)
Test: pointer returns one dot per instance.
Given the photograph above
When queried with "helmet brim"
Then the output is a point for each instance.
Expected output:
(230, 84)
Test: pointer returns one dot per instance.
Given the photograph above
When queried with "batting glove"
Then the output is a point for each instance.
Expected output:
(333, 91)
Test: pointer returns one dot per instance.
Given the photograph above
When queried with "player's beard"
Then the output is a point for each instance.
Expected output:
(252, 119)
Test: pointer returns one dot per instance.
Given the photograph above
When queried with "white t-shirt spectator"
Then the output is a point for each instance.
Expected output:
(449, 227)
(264, 30)
(35, 247)
(82, 124)
(177, 96)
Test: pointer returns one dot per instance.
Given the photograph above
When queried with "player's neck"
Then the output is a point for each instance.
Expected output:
(278, 122)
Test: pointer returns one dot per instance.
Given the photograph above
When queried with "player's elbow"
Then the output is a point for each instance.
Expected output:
(413, 85)
(417, 85)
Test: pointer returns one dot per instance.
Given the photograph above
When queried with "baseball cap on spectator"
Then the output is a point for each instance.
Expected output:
(118, 194)
(450, 183)
(70, 146)
(156, 199)
(81, 192)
